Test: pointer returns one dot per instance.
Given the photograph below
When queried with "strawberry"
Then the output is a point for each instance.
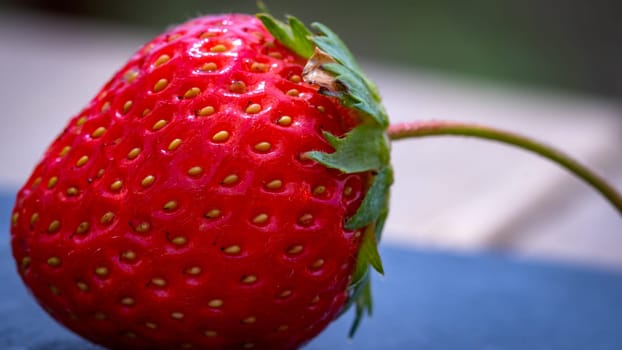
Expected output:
(225, 189)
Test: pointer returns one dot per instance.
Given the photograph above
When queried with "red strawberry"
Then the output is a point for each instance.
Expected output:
(208, 197)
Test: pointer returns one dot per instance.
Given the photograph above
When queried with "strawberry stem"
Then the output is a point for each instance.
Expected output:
(440, 128)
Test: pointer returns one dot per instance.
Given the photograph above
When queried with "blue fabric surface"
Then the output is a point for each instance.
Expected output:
(426, 301)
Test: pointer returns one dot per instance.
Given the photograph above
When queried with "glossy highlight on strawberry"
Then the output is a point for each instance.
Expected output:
(180, 208)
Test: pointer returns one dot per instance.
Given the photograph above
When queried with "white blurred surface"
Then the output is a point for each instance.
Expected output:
(449, 192)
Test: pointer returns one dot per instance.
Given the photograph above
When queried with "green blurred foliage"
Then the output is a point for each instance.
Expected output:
(570, 44)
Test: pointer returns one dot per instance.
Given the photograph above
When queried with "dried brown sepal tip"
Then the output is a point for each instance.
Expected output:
(315, 74)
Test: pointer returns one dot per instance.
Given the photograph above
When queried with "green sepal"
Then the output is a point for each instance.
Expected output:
(363, 305)
(368, 255)
(360, 287)
(330, 43)
(383, 218)
(356, 94)
(364, 148)
(376, 201)
(360, 92)
(294, 35)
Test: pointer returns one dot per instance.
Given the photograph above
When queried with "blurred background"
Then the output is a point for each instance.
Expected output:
(546, 68)
(568, 44)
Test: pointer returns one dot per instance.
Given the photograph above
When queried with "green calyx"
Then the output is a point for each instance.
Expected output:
(365, 148)
(293, 34)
